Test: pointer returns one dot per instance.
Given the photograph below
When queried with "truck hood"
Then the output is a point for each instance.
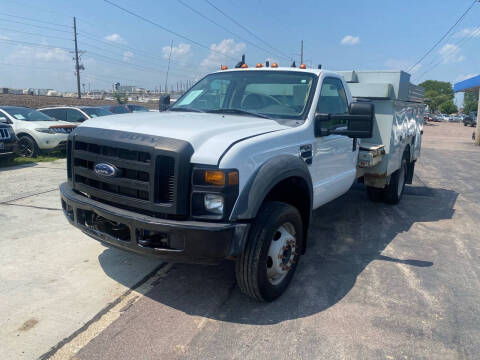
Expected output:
(209, 134)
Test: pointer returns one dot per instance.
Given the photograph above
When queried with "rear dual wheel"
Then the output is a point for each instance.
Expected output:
(268, 262)
(393, 193)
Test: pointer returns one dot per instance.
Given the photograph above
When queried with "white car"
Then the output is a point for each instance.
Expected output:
(36, 131)
(75, 114)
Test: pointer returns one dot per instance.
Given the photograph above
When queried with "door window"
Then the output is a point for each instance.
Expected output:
(332, 100)
(59, 114)
(75, 116)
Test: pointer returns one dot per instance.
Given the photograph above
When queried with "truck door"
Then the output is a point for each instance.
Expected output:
(333, 167)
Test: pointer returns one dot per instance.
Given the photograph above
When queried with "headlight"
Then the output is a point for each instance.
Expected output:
(46, 130)
(214, 192)
(213, 203)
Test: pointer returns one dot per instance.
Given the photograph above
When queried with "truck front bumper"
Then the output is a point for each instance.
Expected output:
(170, 240)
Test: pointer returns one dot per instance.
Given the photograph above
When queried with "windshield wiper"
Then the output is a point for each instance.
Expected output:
(238, 111)
(186, 109)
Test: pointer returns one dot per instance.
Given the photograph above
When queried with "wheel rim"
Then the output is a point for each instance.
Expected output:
(26, 148)
(401, 180)
(281, 253)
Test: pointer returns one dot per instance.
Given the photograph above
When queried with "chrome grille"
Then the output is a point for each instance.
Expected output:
(4, 134)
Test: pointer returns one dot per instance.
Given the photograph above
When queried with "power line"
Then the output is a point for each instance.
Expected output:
(34, 25)
(225, 29)
(245, 28)
(458, 45)
(443, 37)
(33, 44)
(98, 57)
(166, 29)
(35, 34)
(39, 21)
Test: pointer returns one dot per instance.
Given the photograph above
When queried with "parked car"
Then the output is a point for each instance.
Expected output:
(8, 142)
(75, 114)
(470, 119)
(117, 109)
(455, 118)
(36, 131)
(137, 108)
(235, 168)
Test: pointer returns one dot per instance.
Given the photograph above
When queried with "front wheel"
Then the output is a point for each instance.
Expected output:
(27, 147)
(268, 262)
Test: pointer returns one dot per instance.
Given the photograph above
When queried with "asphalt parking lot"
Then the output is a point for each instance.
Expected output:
(377, 282)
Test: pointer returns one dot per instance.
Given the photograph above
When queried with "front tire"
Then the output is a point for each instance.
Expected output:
(268, 262)
(27, 147)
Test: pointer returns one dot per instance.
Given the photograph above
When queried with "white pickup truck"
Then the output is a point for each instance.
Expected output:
(235, 167)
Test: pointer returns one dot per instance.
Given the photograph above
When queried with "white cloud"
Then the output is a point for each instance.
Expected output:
(2, 37)
(115, 38)
(180, 53)
(350, 40)
(462, 77)
(450, 53)
(43, 54)
(127, 56)
(399, 64)
(468, 32)
(221, 53)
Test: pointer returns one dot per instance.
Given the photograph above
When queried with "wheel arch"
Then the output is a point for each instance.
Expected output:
(284, 178)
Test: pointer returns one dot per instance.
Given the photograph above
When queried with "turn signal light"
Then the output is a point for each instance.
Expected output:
(224, 67)
(275, 65)
(215, 177)
(244, 66)
(233, 178)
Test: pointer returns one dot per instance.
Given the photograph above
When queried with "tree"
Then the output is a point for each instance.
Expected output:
(438, 93)
(470, 101)
(121, 99)
(448, 107)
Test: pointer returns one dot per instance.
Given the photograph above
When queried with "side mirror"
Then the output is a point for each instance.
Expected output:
(359, 121)
(163, 102)
(3, 120)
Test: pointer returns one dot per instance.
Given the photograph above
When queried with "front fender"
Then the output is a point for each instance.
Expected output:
(264, 179)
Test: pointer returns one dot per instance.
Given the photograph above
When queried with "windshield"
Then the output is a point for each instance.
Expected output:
(94, 112)
(26, 114)
(137, 108)
(272, 94)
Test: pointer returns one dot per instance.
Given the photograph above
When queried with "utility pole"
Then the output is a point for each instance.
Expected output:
(301, 52)
(77, 65)
(168, 67)
(477, 130)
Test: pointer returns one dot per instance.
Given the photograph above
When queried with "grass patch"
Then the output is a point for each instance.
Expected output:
(25, 160)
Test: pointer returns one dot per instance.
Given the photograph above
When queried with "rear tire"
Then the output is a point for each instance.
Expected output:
(394, 191)
(27, 147)
(375, 194)
(267, 264)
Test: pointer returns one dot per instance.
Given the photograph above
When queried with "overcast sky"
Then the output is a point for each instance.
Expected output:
(339, 35)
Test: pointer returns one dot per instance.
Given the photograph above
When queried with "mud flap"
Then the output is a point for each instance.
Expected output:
(410, 171)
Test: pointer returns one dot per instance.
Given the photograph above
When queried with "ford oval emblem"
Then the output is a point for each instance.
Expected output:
(104, 169)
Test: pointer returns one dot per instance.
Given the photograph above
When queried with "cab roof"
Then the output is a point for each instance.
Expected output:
(290, 69)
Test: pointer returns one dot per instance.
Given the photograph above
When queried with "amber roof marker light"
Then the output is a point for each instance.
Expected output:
(275, 65)
(224, 67)
(244, 66)
(303, 66)
(259, 65)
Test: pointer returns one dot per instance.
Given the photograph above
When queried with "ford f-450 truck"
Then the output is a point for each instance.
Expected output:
(234, 168)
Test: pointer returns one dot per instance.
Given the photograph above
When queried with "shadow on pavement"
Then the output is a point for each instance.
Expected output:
(345, 236)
